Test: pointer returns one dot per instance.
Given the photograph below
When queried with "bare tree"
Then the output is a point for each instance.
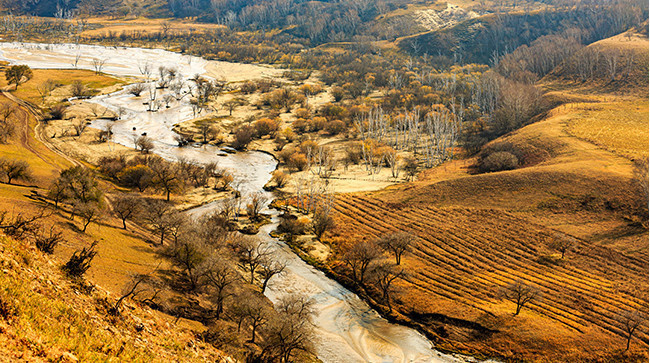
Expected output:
(220, 277)
(189, 254)
(137, 89)
(144, 144)
(322, 221)
(79, 126)
(166, 176)
(6, 126)
(410, 167)
(80, 261)
(157, 214)
(145, 69)
(396, 243)
(269, 269)
(630, 320)
(135, 286)
(256, 312)
(291, 332)
(89, 212)
(98, 65)
(611, 62)
(13, 169)
(562, 244)
(47, 241)
(359, 259)
(257, 202)
(45, 88)
(126, 206)
(384, 274)
(251, 254)
(520, 293)
(232, 104)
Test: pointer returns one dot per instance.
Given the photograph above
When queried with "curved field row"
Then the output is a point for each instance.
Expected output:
(467, 255)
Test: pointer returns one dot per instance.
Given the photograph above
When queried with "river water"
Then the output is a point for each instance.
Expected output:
(347, 329)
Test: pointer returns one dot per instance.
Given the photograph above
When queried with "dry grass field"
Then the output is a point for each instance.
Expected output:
(463, 257)
(62, 78)
(620, 127)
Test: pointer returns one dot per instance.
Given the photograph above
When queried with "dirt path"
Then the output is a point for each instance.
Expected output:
(38, 131)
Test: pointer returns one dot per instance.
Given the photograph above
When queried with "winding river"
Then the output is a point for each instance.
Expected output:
(348, 330)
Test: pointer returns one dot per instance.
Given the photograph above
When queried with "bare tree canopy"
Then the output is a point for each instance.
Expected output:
(396, 243)
(520, 293)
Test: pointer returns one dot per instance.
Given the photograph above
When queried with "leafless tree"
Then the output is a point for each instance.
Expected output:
(252, 254)
(291, 331)
(279, 178)
(153, 95)
(255, 205)
(232, 104)
(89, 212)
(220, 277)
(47, 241)
(79, 126)
(144, 144)
(126, 206)
(78, 89)
(322, 221)
(520, 293)
(12, 169)
(562, 244)
(359, 258)
(253, 309)
(384, 274)
(410, 167)
(19, 225)
(392, 159)
(268, 269)
(77, 58)
(135, 286)
(157, 214)
(6, 126)
(45, 88)
(630, 320)
(190, 254)
(397, 244)
(98, 65)
(146, 68)
(166, 176)
(611, 62)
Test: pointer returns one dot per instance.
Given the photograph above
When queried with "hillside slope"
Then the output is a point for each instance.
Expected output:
(478, 233)
(46, 317)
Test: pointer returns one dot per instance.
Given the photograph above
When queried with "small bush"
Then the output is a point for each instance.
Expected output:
(57, 112)
(335, 127)
(46, 242)
(80, 261)
(498, 161)
(243, 136)
(298, 161)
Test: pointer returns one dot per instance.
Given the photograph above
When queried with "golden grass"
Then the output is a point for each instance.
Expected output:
(145, 26)
(620, 127)
(63, 77)
(51, 321)
(44, 163)
(462, 257)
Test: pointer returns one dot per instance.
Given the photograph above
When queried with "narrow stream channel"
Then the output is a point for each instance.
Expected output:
(348, 330)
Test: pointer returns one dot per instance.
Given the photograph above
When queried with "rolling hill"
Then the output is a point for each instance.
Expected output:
(477, 233)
